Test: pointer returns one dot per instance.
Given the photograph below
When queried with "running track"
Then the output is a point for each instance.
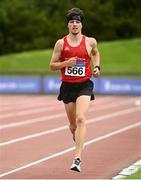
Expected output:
(35, 142)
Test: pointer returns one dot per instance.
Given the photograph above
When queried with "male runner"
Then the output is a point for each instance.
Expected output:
(72, 55)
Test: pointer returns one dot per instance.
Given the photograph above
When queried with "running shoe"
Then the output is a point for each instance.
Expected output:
(76, 165)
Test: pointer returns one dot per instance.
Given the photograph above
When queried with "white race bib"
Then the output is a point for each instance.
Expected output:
(77, 70)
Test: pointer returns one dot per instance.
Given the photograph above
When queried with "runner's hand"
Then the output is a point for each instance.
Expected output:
(96, 72)
(71, 61)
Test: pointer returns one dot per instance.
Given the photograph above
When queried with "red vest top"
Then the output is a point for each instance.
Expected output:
(82, 69)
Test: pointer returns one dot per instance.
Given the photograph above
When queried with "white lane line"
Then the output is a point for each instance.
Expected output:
(30, 111)
(33, 136)
(111, 105)
(18, 100)
(128, 171)
(72, 148)
(92, 120)
(45, 118)
(28, 105)
(24, 101)
(31, 121)
(36, 110)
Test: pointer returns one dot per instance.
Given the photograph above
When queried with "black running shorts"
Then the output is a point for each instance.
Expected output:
(69, 92)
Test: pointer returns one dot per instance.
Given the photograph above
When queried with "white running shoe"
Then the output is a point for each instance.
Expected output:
(76, 165)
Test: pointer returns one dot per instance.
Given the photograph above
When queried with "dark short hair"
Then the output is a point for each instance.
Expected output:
(75, 12)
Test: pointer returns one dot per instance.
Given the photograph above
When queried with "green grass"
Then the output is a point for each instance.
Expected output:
(121, 56)
(26, 61)
(136, 175)
(116, 56)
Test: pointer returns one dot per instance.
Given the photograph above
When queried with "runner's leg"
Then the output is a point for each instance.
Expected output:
(82, 105)
(71, 114)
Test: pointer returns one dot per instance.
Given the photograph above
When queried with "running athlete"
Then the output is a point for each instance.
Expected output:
(72, 55)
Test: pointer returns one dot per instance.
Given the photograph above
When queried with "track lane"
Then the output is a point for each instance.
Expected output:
(30, 169)
(130, 120)
(57, 120)
(60, 127)
(41, 118)
(46, 141)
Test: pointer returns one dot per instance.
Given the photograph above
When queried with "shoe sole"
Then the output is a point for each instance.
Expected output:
(75, 169)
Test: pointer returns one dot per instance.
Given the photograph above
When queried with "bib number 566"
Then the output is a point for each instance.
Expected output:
(75, 71)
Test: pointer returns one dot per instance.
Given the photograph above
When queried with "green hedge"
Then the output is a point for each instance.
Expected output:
(37, 24)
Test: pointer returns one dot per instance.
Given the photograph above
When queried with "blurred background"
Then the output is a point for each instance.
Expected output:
(30, 28)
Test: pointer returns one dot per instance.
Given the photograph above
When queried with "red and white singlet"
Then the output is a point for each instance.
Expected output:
(82, 69)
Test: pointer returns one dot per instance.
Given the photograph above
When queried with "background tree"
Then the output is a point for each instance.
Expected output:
(37, 24)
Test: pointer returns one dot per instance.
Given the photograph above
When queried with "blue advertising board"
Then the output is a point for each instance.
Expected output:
(120, 86)
(96, 82)
(19, 85)
(50, 85)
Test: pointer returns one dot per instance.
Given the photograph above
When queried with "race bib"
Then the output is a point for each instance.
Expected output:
(77, 70)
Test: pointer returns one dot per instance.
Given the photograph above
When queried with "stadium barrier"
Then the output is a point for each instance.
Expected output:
(49, 83)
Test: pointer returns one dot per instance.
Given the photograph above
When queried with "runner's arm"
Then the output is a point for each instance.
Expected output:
(95, 58)
(55, 63)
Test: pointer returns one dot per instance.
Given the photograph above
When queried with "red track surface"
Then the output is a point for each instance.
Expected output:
(35, 142)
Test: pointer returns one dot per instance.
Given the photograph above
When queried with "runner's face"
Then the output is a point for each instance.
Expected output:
(75, 26)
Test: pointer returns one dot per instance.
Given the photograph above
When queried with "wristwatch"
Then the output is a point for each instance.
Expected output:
(97, 67)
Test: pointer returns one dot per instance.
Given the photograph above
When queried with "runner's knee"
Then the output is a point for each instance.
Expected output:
(72, 127)
(80, 120)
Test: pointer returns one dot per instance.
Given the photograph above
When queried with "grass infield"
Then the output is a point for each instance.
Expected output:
(135, 176)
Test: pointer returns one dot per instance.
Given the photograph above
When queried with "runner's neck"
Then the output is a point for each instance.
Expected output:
(74, 40)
